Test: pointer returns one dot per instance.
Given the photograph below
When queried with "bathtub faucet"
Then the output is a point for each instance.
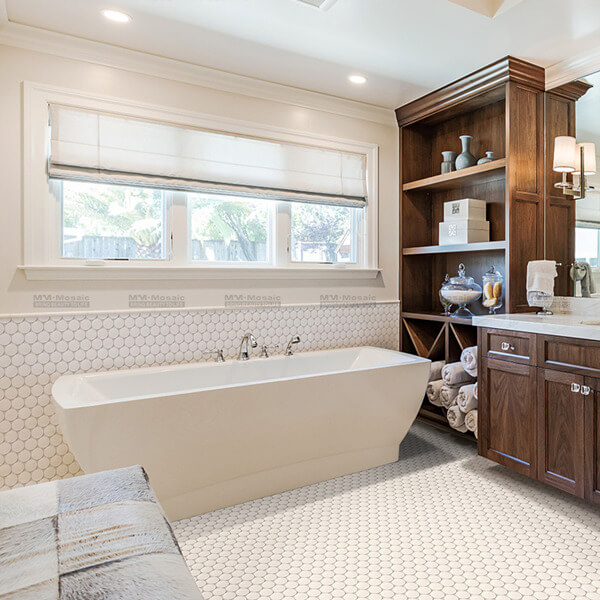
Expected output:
(243, 353)
(294, 340)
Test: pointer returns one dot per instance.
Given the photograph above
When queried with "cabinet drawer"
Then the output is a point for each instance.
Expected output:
(509, 345)
(569, 355)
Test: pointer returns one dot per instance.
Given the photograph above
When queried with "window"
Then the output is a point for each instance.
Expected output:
(587, 244)
(225, 229)
(100, 221)
(324, 234)
(132, 185)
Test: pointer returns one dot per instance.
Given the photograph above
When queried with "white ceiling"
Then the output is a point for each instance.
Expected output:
(404, 47)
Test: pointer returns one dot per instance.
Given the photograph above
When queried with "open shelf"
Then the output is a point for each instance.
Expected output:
(473, 247)
(477, 174)
(439, 317)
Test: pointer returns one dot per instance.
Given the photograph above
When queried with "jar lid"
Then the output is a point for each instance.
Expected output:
(462, 278)
(493, 272)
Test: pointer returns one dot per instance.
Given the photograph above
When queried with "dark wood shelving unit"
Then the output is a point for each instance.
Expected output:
(501, 106)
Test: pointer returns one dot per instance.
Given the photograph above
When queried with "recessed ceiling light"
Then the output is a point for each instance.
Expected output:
(358, 79)
(116, 15)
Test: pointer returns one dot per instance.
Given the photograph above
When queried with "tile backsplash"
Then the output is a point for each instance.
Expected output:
(36, 350)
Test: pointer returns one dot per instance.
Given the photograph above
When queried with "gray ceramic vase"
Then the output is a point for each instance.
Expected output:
(449, 163)
(489, 157)
(465, 158)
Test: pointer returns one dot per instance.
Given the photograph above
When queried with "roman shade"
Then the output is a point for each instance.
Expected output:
(103, 147)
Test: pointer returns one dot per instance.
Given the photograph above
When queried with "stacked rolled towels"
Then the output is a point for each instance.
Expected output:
(468, 359)
(449, 395)
(456, 418)
(466, 399)
(436, 370)
(454, 375)
(433, 392)
(471, 421)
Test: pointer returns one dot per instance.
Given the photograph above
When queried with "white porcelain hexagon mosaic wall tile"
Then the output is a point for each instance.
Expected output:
(35, 351)
(442, 523)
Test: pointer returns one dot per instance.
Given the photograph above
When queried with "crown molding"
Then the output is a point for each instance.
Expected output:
(483, 80)
(576, 67)
(65, 46)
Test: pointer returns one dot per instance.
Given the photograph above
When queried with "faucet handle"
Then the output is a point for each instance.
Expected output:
(264, 353)
(218, 353)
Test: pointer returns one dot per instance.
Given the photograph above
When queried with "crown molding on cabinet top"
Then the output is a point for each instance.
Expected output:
(576, 67)
(65, 46)
(482, 80)
(572, 90)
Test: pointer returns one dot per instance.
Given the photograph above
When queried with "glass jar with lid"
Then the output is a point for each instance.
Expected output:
(461, 290)
(493, 290)
(445, 304)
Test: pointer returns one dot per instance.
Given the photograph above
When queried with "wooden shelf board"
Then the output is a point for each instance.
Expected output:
(431, 316)
(475, 175)
(455, 248)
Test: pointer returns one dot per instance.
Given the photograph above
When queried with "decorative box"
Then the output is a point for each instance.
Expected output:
(464, 231)
(467, 208)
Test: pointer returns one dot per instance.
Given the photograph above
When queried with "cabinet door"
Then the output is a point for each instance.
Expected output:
(592, 440)
(560, 430)
(507, 413)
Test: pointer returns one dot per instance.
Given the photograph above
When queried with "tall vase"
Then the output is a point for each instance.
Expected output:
(465, 158)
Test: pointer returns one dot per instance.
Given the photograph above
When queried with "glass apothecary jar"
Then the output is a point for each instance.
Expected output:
(493, 290)
(445, 304)
(461, 290)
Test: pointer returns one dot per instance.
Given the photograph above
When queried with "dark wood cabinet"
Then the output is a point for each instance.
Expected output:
(507, 417)
(592, 441)
(539, 408)
(560, 426)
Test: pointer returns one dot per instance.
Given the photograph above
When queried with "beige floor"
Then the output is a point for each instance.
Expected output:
(440, 523)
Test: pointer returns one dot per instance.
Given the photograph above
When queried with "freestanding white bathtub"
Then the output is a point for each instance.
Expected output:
(212, 435)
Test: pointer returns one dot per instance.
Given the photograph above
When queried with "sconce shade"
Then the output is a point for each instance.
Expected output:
(589, 158)
(565, 154)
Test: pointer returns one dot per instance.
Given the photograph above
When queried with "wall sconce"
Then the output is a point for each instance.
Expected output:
(577, 159)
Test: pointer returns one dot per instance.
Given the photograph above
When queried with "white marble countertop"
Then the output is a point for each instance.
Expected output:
(573, 326)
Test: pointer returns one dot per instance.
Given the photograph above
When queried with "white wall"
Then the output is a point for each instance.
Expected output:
(16, 293)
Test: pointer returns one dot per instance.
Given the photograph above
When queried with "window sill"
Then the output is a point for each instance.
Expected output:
(150, 273)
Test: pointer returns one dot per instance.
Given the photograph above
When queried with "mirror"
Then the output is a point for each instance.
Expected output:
(573, 223)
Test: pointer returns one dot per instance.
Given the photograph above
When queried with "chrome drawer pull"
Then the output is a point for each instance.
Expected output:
(575, 387)
(585, 390)
(506, 346)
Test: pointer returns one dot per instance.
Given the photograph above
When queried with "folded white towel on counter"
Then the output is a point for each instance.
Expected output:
(448, 395)
(475, 390)
(433, 392)
(454, 374)
(471, 420)
(468, 359)
(540, 280)
(466, 400)
(436, 370)
(456, 419)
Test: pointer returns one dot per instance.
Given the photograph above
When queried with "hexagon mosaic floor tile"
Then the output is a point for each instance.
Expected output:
(442, 523)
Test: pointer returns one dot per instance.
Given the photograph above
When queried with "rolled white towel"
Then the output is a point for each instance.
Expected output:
(436, 370)
(448, 395)
(475, 390)
(433, 392)
(456, 419)
(454, 374)
(471, 420)
(466, 399)
(468, 359)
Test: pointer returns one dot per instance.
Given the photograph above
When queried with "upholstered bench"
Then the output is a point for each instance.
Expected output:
(96, 537)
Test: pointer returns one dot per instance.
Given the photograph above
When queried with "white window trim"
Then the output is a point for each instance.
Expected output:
(40, 259)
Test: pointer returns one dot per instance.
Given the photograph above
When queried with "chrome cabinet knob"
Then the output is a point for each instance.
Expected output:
(585, 390)
(506, 346)
(575, 387)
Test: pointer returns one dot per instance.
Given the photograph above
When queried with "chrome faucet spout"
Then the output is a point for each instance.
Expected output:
(243, 352)
(294, 340)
